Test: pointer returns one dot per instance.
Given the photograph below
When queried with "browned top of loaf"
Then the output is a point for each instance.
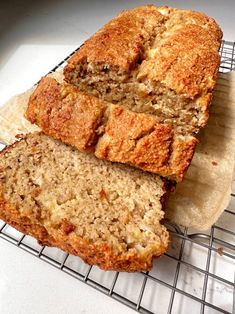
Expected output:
(121, 42)
(110, 131)
(65, 113)
(177, 47)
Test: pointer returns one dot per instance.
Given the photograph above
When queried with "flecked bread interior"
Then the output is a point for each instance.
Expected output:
(110, 216)
(156, 60)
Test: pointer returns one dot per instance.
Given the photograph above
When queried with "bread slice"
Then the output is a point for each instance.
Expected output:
(109, 216)
(110, 131)
(156, 60)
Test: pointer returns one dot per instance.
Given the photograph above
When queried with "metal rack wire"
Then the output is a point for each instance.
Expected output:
(190, 275)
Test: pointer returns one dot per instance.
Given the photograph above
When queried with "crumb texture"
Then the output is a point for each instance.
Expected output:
(110, 131)
(156, 60)
(109, 216)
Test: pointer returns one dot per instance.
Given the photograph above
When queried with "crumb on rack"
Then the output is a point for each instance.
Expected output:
(214, 163)
(220, 251)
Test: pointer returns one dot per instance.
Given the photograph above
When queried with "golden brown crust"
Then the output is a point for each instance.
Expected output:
(101, 255)
(138, 139)
(65, 113)
(183, 151)
(187, 60)
(184, 54)
(120, 42)
(190, 68)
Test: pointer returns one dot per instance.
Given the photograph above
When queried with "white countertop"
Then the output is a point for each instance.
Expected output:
(34, 37)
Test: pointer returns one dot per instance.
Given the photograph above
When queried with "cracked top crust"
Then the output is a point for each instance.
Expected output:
(152, 71)
(110, 131)
(176, 47)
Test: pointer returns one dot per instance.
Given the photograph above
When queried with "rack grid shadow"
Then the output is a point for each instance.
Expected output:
(190, 275)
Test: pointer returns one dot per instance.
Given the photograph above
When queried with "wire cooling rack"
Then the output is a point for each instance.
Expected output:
(196, 275)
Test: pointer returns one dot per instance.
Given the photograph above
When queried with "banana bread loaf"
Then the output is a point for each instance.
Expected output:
(110, 131)
(109, 216)
(156, 60)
